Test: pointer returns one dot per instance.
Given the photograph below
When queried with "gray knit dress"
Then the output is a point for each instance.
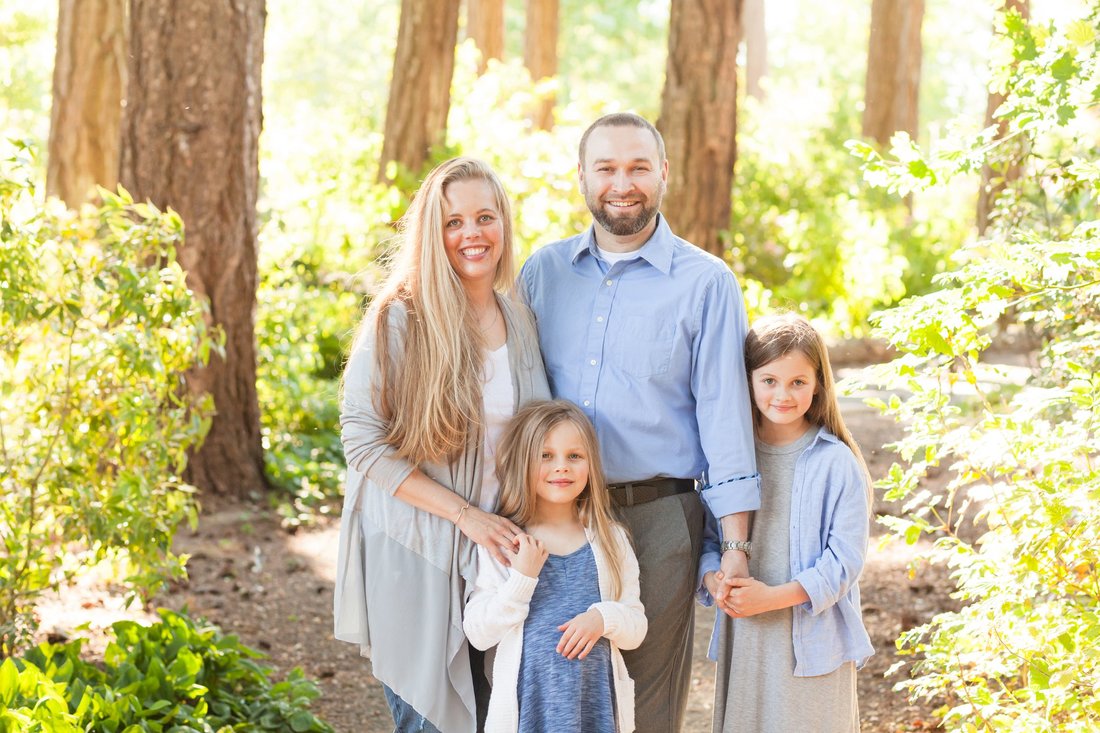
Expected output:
(756, 690)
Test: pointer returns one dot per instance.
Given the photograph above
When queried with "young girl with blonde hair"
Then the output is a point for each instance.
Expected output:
(569, 602)
(791, 635)
(442, 361)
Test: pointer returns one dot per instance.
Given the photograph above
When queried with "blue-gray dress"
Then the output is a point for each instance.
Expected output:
(555, 693)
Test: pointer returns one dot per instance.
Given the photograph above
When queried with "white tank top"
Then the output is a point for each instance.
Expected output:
(498, 399)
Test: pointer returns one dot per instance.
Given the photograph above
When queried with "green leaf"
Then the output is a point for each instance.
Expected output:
(1080, 33)
(9, 682)
(301, 721)
(912, 534)
(1064, 68)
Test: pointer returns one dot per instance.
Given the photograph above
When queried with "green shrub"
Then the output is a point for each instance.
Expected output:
(175, 675)
(96, 327)
(1019, 525)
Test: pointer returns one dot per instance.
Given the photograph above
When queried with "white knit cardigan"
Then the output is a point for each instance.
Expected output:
(497, 609)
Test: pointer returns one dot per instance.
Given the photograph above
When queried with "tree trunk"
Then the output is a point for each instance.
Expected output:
(699, 117)
(420, 91)
(893, 69)
(485, 25)
(541, 54)
(89, 77)
(756, 47)
(1008, 169)
(189, 142)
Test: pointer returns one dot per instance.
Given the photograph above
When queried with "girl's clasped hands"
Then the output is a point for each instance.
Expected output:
(743, 597)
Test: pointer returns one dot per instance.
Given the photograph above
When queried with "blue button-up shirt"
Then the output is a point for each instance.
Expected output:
(651, 348)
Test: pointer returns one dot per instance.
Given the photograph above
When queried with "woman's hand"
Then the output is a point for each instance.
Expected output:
(581, 634)
(529, 556)
(496, 534)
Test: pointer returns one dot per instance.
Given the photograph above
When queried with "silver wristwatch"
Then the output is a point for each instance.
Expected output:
(743, 545)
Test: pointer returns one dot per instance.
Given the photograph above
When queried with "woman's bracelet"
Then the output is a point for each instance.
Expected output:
(461, 512)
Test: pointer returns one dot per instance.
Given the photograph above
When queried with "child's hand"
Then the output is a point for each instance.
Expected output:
(581, 634)
(748, 597)
(529, 556)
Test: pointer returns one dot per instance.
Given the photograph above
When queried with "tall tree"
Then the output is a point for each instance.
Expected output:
(756, 47)
(699, 117)
(893, 69)
(420, 90)
(993, 181)
(189, 141)
(89, 77)
(485, 25)
(541, 53)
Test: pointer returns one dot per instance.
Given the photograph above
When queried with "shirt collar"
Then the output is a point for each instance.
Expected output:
(823, 433)
(657, 250)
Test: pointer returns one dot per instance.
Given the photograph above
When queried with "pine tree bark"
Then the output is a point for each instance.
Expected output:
(420, 91)
(189, 142)
(756, 47)
(541, 54)
(893, 69)
(485, 25)
(993, 182)
(699, 118)
(89, 78)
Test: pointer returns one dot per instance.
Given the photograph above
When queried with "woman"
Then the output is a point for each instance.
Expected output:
(440, 363)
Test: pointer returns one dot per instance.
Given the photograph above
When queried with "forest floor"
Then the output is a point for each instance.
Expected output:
(274, 589)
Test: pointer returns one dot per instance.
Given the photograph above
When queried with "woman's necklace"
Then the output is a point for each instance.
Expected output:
(492, 322)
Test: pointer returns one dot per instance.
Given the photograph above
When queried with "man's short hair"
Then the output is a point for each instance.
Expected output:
(623, 119)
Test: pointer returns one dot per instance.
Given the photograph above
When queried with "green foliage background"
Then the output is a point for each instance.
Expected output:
(96, 328)
(1019, 525)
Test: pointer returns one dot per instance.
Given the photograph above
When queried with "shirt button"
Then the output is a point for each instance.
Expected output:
(587, 403)
(599, 319)
(609, 283)
(592, 362)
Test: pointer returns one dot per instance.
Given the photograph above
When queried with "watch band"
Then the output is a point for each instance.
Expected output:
(743, 545)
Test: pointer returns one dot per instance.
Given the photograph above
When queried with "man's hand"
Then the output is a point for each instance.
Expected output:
(735, 564)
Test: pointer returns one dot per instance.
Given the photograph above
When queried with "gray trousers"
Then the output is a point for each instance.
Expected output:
(668, 535)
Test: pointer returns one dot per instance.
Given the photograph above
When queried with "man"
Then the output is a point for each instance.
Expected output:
(645, 332)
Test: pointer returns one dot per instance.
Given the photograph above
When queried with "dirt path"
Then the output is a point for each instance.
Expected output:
(274, 589)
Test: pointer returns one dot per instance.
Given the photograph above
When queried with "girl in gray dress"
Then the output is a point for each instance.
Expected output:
(791, 635)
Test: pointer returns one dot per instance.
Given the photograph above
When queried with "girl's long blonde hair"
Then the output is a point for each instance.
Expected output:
(431, 395)
(518, 458)
(773, 337)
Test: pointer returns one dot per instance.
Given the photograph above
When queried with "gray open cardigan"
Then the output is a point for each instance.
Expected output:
(402, 573)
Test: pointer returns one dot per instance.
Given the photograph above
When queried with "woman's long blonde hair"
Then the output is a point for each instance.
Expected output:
(431, 395)
(773, 337)
(518, 458)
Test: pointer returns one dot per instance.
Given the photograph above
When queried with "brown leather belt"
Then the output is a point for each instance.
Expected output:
(633, 493)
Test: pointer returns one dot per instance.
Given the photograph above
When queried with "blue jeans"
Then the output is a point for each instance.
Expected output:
(405, 719)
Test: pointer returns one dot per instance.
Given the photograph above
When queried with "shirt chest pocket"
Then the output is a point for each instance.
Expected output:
(640, 345)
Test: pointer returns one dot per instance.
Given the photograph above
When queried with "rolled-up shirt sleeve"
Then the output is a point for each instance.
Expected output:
(722, 397)
(845, 544)
(362, 429)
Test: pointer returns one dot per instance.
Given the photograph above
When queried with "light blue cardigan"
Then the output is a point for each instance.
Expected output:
(829, 534)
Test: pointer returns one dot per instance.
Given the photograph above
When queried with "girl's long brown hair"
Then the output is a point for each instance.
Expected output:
(518, 458)
(773, 337)
(430, 395)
